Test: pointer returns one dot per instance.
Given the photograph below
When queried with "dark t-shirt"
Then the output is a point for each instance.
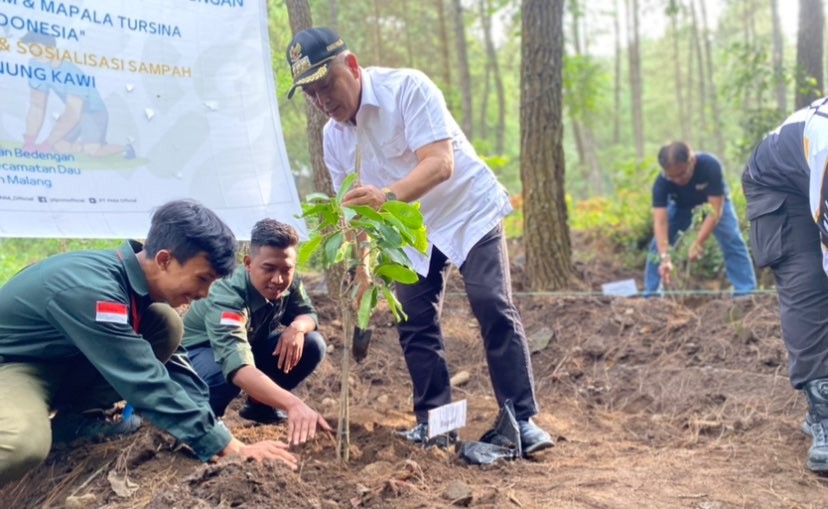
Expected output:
(707, 181)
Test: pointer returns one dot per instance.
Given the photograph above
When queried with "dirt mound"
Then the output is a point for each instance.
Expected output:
(654, 403)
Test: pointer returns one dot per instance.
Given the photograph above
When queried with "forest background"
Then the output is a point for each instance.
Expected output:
(635, 74)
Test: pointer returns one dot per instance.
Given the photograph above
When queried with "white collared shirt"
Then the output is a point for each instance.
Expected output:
(815, 149)
(401, 111)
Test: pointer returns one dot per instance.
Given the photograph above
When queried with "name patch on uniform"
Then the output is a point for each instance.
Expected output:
(230, 318)
(113, 312)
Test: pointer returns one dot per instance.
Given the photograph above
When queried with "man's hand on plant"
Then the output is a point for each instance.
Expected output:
(302, 423)
(695, 252)
(371, 196)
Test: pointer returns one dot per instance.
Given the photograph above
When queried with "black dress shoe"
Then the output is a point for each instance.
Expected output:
(262, 414)
(532, 438)
(419, 435)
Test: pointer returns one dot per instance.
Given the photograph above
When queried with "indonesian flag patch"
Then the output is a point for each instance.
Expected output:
(113, 312)
(231, 318)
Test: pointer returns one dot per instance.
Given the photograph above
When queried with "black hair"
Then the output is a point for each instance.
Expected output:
(272, 233)
(674, 152)
(187, 229)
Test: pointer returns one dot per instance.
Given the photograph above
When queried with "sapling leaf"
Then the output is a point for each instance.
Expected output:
(313, 197)
(345, 187)
(344, 251)
(408, 213)
(332, 244)
(366, 212)
(366, 307)
(307, 249)
(397, 272)
(394, 305)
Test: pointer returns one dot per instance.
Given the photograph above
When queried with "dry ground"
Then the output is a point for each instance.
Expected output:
(654, 403)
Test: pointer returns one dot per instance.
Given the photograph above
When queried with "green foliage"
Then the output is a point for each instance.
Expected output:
(750, 74)
(361, 238)
(806, 85)
(15, 254)
(708, 266)
(624, 218)
(585, 84)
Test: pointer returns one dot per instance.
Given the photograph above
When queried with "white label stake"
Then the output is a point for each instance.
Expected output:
(446, 418)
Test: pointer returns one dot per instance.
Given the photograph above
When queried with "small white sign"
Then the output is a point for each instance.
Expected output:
(446, 418)
(623, 288)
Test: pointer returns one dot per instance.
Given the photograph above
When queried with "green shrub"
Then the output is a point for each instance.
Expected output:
(17, 253)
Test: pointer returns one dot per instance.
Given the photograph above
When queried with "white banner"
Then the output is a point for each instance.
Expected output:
(109, 108)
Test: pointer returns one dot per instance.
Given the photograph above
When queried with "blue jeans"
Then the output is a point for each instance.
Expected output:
(222, 391)
(738, 265)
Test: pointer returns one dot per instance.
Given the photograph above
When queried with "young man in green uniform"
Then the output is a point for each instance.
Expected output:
(83, 330)
(256, 332)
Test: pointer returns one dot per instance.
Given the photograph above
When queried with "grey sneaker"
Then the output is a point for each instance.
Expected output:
(419, 435)
(533, 438)
(818, 453)
(816, 392)
(68, 426)
(806, 425)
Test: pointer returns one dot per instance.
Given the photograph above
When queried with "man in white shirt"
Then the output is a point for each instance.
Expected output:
(787, 202)
(411, 148)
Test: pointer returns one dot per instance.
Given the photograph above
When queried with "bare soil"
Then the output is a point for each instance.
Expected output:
(658, 403)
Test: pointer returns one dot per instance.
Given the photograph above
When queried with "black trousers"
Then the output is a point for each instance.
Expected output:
(222, 391)
(786, 239)
(488, 287)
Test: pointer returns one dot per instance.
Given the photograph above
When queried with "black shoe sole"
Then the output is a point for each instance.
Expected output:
(817, 467)
(540, 446)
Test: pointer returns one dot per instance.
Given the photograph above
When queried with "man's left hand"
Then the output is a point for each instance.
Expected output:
(370, 196)
(289, 349)
(695, 252)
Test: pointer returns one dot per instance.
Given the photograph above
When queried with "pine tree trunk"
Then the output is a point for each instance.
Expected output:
(634, 55)
(616, 121)
(679, 76)
(778, 60)
(809, 44)
(444, 43)
(377, 34)
(493, 66)
(700, 79)
(467, 122)
(333, 14)
(408, 45)
(546, 234)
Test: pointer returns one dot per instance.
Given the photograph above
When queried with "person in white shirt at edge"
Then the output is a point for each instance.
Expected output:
(412, 149)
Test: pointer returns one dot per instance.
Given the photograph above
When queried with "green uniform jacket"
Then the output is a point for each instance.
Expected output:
(83, 304)
(235, 315)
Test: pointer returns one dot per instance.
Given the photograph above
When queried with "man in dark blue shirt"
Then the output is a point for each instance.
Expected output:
(688, 180)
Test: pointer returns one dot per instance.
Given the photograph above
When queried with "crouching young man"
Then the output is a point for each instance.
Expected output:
(256, 332)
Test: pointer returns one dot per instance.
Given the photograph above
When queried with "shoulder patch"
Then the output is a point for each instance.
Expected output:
(231, 318)
(112, 312)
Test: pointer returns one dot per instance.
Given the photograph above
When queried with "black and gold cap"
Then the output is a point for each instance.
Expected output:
(310, 53)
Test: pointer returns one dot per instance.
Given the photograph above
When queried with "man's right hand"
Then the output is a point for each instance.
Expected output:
(302, 423)
(264, 450)
(664, 270)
